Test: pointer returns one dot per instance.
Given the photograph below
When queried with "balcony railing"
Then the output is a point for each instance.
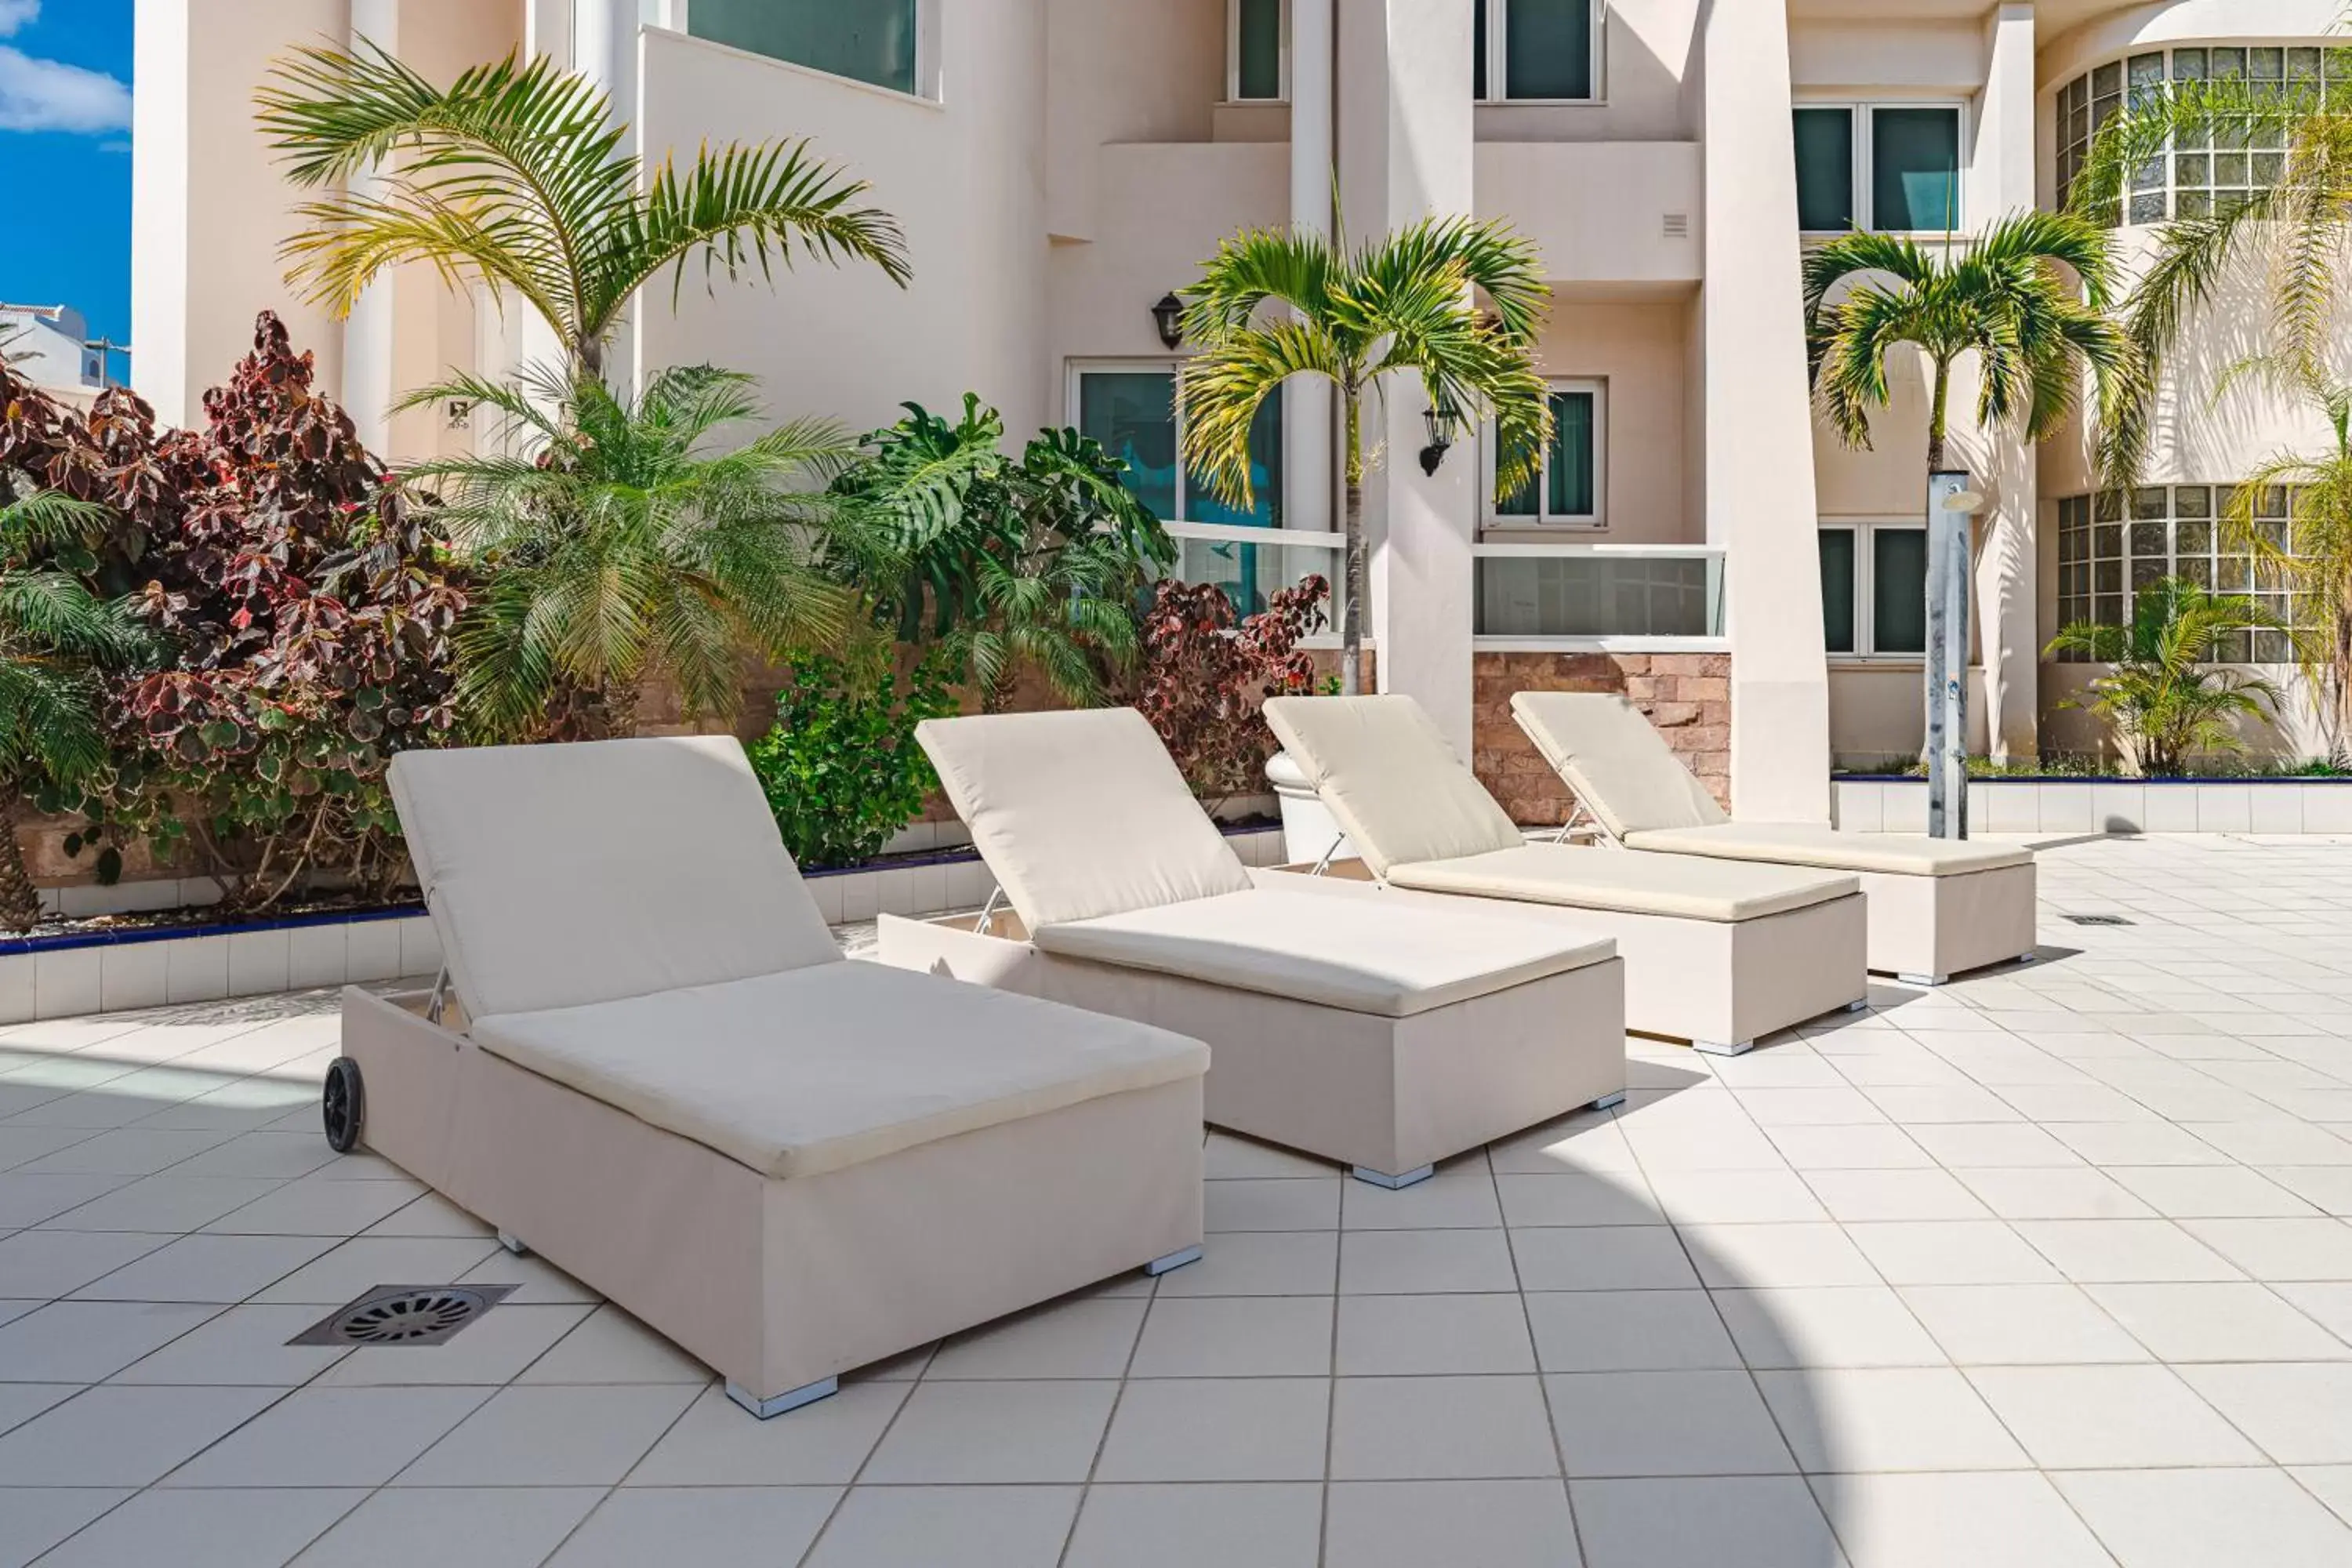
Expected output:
(1249, 563)
(1606, 595)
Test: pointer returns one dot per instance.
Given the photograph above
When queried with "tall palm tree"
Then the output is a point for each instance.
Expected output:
(1399, 305)
(2004, 295)
(55, 635)
(627, 548)
(2310, 552)
(2296, 228)
(2163, 697)
(515, 174)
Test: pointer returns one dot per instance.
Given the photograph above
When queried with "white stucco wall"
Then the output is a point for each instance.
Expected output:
(208, 207)
(964, 178)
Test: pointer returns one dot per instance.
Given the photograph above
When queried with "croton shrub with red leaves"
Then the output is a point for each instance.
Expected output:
(1204, 677)
(305, 607)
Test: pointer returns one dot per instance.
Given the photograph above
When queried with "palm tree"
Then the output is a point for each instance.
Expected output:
(1400, 305)
(627, 548)
(514, 175)
(2296, 228)
(55, 634)
(2163, 701)
(2311, 552)
(2003, 294)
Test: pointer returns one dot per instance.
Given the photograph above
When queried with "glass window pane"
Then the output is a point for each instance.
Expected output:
(1824, 169)
(1548, 48)
(1478, 48)
(1133, 414)
(1257, 49)
(1571, 471)
(1205, 505)
(1898, 611)
(1914, 169)
(867, 40)
(1837, 589)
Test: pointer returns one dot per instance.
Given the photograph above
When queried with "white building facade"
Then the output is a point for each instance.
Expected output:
(1698, 540)
(50, 346)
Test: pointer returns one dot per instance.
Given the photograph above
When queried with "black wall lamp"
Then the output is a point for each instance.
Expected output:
(1441, 418)
(1168, 315)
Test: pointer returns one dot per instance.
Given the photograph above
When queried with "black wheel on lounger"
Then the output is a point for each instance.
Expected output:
(343, 1103)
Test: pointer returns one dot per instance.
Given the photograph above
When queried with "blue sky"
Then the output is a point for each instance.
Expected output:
(65, 157)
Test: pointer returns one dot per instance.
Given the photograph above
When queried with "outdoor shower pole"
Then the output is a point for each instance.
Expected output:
(1948, 527)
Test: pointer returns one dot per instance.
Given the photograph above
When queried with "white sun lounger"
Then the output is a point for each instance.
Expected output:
(653, 1065)
(1384, 1037)
(1937, 906)
(1716, 954)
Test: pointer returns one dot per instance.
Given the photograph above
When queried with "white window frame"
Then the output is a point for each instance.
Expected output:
(1598, 521)
(671, 14)
(1865, 587)
(1233, 57)
(1497, 53)
(1864, 159)
(1171, 366)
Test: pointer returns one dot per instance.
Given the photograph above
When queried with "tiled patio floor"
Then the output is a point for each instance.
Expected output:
(2042, 1269)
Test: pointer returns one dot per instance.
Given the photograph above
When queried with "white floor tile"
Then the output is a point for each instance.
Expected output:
(1904, 1418)
(1218, 1429)
(1440, 1429)
(1178, 1527)
(688, 1527)
(244, 1528)
(962, 1433)
(550, 1437)
(2109, 1418)
(1664, 1424)
(922, 1527)
(1701, 1521)
(2192, 1519)
(486, 1527)
(1410, 1524)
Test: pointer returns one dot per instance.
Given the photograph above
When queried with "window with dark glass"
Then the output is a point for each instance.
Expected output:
(1824, 169)
(1569, 487)
(867, 40)
(1535, 49)
(1898, 590)
(1257, 48)
(1837, 589)
(1914, 169)
(1135, 416)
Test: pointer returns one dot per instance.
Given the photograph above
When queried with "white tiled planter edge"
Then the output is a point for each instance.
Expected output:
(2107, 805)
(114, 976)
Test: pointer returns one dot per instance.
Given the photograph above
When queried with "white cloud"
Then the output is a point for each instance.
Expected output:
(19, 15)
(51, 95)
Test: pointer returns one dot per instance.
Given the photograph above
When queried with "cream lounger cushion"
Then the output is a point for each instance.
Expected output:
(1628, 884)
(1386, 771)
(550, 890)
(1793, 844)
(1614, 761)
(1359, 956)
(819, 1069)
(1080, 815)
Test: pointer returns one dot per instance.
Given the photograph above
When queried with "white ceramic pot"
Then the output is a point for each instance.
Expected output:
(1308, 828)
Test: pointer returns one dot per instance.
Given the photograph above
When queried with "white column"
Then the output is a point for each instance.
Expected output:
(1412, 145)
(161, 254)
(369, 385)
(1308, 472)
(2008, 596)
(1758, 469)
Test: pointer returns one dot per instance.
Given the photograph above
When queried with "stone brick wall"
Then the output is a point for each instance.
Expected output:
(1687, 695)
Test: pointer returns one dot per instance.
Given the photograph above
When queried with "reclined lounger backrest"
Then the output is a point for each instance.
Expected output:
(1618, 764)
(563, 875)
(1080, 815)
(1389, 776)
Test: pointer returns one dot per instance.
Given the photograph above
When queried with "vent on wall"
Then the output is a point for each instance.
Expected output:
(1678, 226)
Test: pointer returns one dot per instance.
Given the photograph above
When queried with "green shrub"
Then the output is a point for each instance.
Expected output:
(841, 768)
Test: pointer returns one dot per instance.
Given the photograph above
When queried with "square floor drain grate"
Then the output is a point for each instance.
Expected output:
(2099, 920)
(403, 1315)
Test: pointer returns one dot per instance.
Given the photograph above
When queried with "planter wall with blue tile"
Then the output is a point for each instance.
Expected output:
(68, 975)
(2322, 807)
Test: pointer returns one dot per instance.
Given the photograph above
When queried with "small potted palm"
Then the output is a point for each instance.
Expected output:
(2163, 701)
